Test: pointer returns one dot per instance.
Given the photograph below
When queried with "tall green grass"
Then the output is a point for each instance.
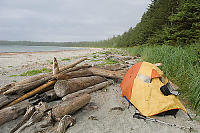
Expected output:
(180, 64)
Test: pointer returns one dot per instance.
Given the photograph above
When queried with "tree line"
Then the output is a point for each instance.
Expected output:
(172, 22)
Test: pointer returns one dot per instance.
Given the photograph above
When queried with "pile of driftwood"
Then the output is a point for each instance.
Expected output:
(73, 84)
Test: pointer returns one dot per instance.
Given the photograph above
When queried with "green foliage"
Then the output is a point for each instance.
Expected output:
(65, 59)
(108, 62)
(33, 72)
(173, 22)
(50, 62)
(95, 56)
(180, 65)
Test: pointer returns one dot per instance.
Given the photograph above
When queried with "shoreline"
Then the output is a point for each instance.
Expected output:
(14, 53)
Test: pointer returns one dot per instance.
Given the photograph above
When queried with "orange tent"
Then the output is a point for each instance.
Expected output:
(141, 87)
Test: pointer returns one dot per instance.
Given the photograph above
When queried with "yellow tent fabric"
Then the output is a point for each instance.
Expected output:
(146, 96)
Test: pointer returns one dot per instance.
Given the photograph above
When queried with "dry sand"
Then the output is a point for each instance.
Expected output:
(107, 120)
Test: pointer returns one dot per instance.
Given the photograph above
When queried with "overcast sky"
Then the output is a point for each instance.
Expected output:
(68, 20)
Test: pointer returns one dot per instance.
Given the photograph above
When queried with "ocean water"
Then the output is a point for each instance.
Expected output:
(20, 48)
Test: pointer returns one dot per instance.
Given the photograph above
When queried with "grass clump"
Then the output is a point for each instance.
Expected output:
(95, 56)
(180, 64)
(65, 59)
(33, 72)
(50, 62)
(108, 62)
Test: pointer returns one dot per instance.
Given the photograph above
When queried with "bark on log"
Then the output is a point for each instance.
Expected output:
(22, 88)
(68, 108)
(114, 67)
(55, 66)
(64, 87)
(72, 65)
(74, 74)
(44, 97)
(4, 100)
(65, 122)
(11, 113)
(6, 87)
(40, 89)
(88, 90)
(107, 73)
(71, 70)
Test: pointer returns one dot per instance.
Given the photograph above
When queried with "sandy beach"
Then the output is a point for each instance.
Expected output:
(106, 120)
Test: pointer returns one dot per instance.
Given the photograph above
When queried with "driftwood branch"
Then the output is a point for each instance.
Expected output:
(55, 66)
(66, 121)
(29, 112)
(72, 65)
(88, 90)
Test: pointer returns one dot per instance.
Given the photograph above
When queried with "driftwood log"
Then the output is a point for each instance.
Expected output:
(72, 65)
(65, 122)
(6, 87)
(107, 73)
(64, 87)
(22, 87)
(40, 89)
(4, 100)
(55, 66)
(11, 113)
(74, 74)
(88, 90)
(68, 108)
(71, 70)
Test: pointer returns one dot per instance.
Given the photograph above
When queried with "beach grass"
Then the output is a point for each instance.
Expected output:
(33, 72)
(65, 59)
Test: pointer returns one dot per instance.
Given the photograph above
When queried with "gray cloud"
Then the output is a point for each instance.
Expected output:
(68, 20)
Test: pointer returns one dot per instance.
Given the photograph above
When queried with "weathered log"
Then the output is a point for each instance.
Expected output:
(11, 113)
(88, 90)
(40, 89)
(107, 73)
(6, 87)
(119, 57)
(4, 100)
(44, 97)
(29, 112)
(72, 65)
(114, 67)
(55, 66)
(71, 70)
(68, 108)
(65, 122)
(74, 74)
(64, 87)
(21, 88)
